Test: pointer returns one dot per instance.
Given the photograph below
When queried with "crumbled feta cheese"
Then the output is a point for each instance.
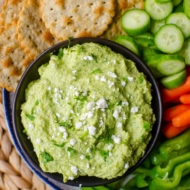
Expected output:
(116, 139)
(89, 114)
(38, 141)
(134, 109)
(53, 136)
(87, 165)
(72, 112)
(90, 58)
(78, 125)
(97, 77)
(67, 99)
(58, 114)
(82, 157)
(31, 126)
(125, 103)
(74, 169)
(110, 154)
(92, 130)
(119, 125)
(74, 72)
(110, 146)
(56, 89)
(110, 84)
(130, 79)
(62, 129)
(116, 114)
(73, 142)
(77, 93)
(102, 104)
(49, 88)
(88, 150)
(123, 83)
(103, 79)
(71, 87)
(126, 166)
(65, 135)
(90, 105)
(57, 95)
(111, 74)
(71, 178)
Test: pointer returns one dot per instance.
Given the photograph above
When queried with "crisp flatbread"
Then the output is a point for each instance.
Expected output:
(77, 18)
(33, 35)
(115, 28)
(13, 60)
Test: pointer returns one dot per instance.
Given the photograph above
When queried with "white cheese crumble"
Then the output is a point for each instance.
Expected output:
(123, 83)
(58, 114)
(111, 74)
(71, 178)
(110, 84)
(87, 165)
(38, 141)
(110, 154)
(71, 87)
(74, 72)
(130, 79)
(88, 150)
(110, 146)
(73, 142)
(84, 93)
(77, 93)
(62, 129)
(126, 166)
(119, 125)
(125, 103)
(116, 114)
(49, 88)
(82, 157)
(90, 105)
(31, 126)
(65, 135)
(56, 89)
(78, 125)
(101, 103)
(74, 169)
(103, 79)
(90, 58)
(134, 109)
(116, 139)
(92, 130)
(97, 77)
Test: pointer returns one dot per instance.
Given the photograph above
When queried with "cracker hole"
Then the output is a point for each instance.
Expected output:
(78, 6)
(51, 9)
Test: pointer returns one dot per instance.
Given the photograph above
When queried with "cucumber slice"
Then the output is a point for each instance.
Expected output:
(148, 52)
(175, 80)
(163, 1)
(143, 43)
(171, 64)
(158, 11)
(185, 51)
(179, 8)
(182, 21)
(186, 7)
(147, 36)
(128, 42)
(155, 25)
(176, 2)
(169, 39)
(135, 22)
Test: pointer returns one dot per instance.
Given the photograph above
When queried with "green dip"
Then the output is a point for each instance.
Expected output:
(89, 113)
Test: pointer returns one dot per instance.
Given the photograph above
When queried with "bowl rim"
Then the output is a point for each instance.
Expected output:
(72, 42)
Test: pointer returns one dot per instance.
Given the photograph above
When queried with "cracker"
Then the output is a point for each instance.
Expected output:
(33, 35)
(10, 11)
(13, 60)
(77, 18)
(115, 28)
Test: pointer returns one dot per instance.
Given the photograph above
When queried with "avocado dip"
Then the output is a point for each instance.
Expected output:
(89, 113)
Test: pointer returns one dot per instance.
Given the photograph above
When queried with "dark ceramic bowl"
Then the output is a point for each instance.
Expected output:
(32, 74)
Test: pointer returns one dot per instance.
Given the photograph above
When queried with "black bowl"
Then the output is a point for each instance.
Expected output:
(32, 74)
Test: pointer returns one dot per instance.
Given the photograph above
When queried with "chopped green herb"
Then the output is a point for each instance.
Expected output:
(37, 102)
(87, 157)
(31, 117)
(65, 124)
(83, 135)
(111, 105)
(106, 137)
(81, 100)
(71, 151)
(94, 57)
(141, 79)
(104, 154)
(24, 131)
(119, 103)
(59, 145)
(60, 54)
(45, 157)
(69, 103)
(146, 125)
(96, 71)
(125, 79)
(80, 49)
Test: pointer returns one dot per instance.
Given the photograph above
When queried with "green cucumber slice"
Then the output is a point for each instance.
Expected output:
(143, 43)
(158, 11)
(128, 42)
(176, 2)
(185, 51)
(163, 1)
(169, 39)
(135, 22)
(174, 81)
(186, 7)
(170, 64)
(155, 25)
(179, 8)
(181, 20)
(148, 52)
(147, 36)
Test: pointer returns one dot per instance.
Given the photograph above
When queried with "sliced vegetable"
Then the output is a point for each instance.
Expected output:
(170, 64)
(128, 42)
(186, 7)
(155, 25)
(135, 22)
(149, 52)
(176, 2)
(174, 81)
(163, 1)
(179, 8)
(185, 51)
(158, 11)
(169, 39)
(181, 20)
(185, 99)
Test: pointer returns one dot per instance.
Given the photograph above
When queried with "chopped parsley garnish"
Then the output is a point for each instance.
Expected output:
(45, 157)
(111, 105)
(59, 145)
(87, 157)
(125, 79)
(80, 49)
(60, 54)
(107, 136)
(96, 71)
(141, 79)
(94, 57)
(31, 117)
(81, 100)
(37, 102)
(119, 103)
(71, 151)
(65, 124)
(146, 125)
(104, 154)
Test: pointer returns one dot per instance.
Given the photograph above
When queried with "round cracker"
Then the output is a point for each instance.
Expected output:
(33, 35)
(13, 60)
(77, 18)
(115, 27)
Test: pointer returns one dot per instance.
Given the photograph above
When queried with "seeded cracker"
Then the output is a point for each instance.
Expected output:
(13, 60)
(77, 18)
(115, 28)
(32, 33)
